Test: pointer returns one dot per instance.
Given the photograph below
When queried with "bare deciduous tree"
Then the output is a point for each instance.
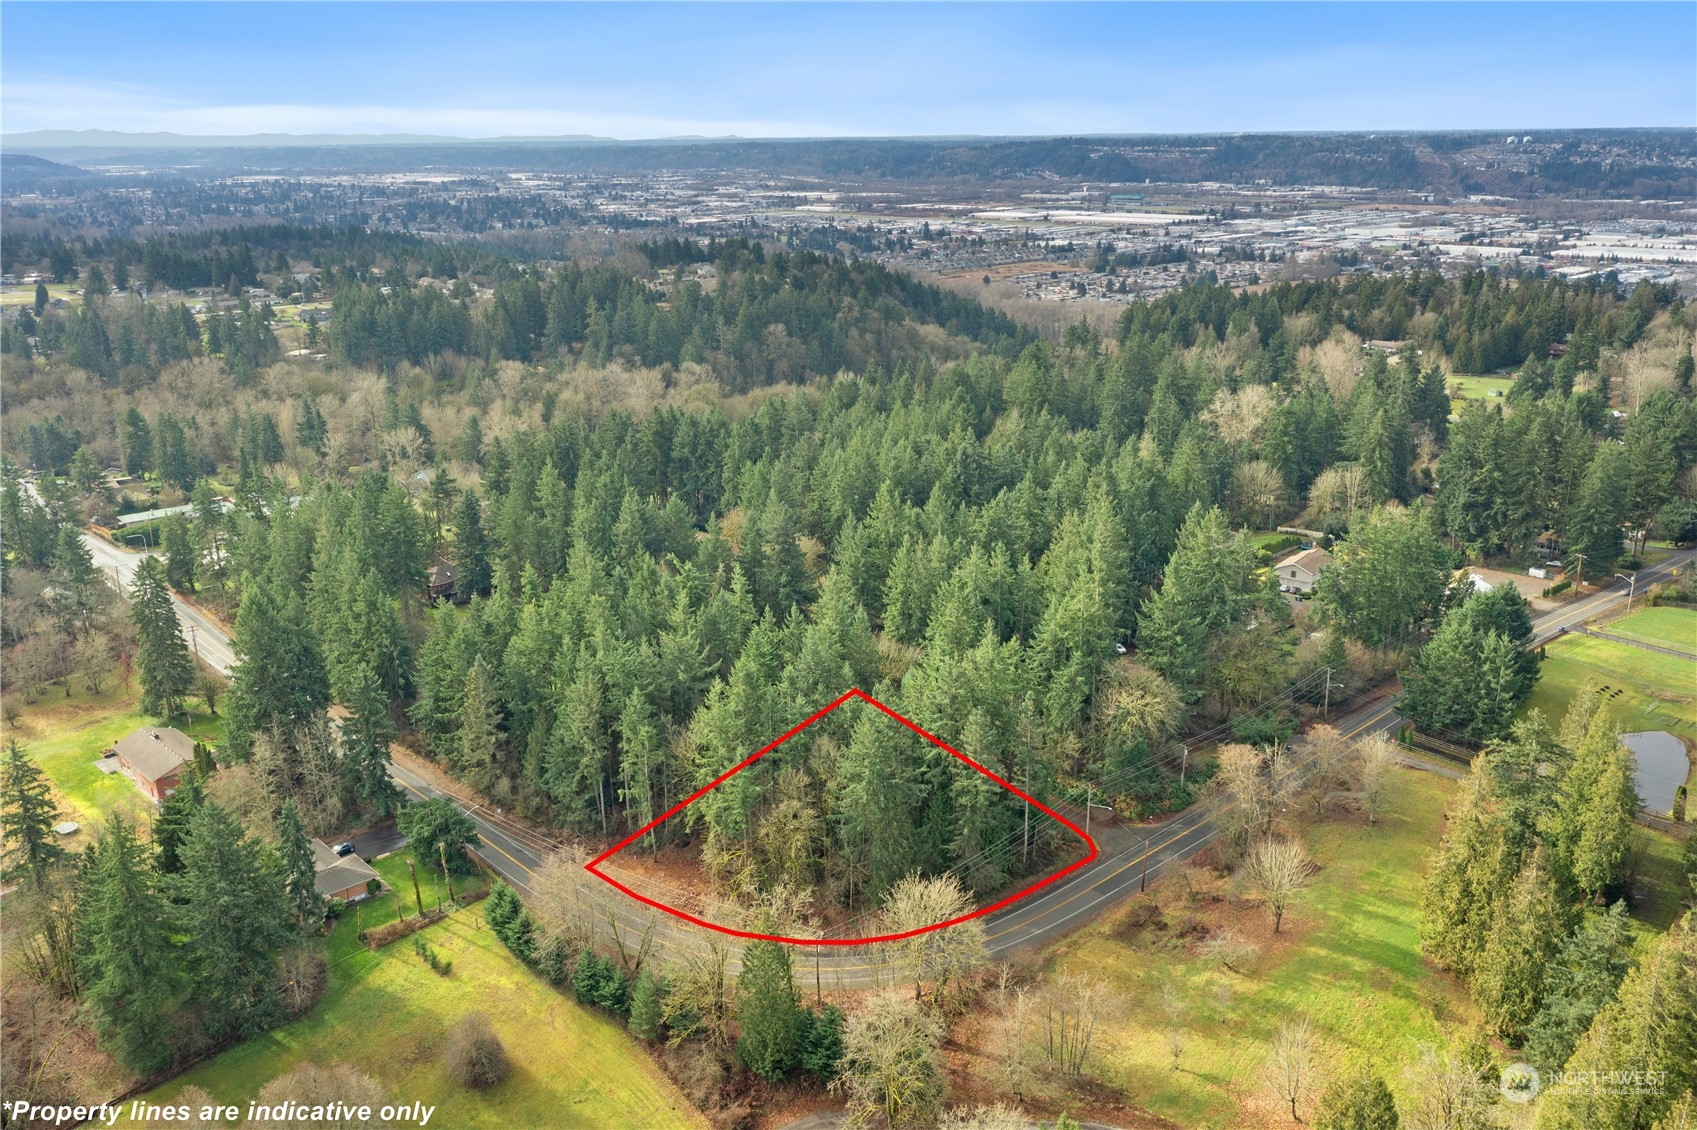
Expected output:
(1230, 950)
(1446, 1093)
(1241, 779)
(891, 1066)
(1292, 1063)
(938, 956)
(1175, 1006)
(1278, 869)
(1072, 1006)
(1370, 762)
(310, 1085)
(997, 1117)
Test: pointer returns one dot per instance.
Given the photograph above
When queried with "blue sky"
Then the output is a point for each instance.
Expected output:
(656, 70)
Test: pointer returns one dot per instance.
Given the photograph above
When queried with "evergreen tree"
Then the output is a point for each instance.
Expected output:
(136, 440)
(434, 826)
(479, 752)
(645, 1020)
(366, 737)
(770, 1011)
(27, 815)
(172, 823)
(127, 966)
(1526, 933)
(1386, 579)
(180, 554)
(280, 682)
(1358, 1100)
(822, 1046)
(1594, 521)
(511, 921)
(234, 909)
(471, 547)
(300, 868)
(1471, 678)
(1579, 983)
(1646, 1028)
(167, 668)
(1207, 587)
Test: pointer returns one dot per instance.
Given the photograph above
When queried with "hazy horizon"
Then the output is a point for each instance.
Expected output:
(715, 71)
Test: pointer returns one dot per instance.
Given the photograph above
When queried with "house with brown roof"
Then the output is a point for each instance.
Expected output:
(154, 758)
(1298, 574)
(344, 877)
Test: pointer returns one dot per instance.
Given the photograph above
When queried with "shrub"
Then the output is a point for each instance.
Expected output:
(428, 953)
(554, 959)
(474, 1056)
(511, 921)
(822, 1042)
(645, 1021)
(597, 981)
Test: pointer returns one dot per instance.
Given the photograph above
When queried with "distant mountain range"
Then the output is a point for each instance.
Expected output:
(16, 167)
(116, 139)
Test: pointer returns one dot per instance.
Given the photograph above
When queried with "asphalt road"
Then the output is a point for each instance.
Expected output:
(1128, 857)
(205, 636)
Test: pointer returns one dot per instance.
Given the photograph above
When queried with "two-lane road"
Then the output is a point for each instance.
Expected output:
(206, 637)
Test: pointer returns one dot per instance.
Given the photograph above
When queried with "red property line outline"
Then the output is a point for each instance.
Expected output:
(593, 866)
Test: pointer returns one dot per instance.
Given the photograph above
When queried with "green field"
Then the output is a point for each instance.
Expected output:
(1668, 627)
(21, 295)
(386, 1014)
(1348, 957)
(66, 735)
(1478, 388)
(1655, 691)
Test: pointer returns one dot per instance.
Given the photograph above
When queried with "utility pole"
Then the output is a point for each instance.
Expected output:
(417, 895)
(1326, 709)
(1144, 884)
(1087, 790)
(1579, 567)
(1025, 844)
(1183, 764)
(818, 992)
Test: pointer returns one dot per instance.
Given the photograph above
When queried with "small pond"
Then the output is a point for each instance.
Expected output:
(1662, 767)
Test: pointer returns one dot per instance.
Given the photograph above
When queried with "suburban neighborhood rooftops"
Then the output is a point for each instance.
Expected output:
(337, 873)
(155, 753)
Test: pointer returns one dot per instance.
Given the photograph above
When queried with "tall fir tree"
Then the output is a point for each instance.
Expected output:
(1526, 934)
(769, 1010)
(27, 815)
(300, 868)
(279, 680)
(127, 966)
(167, 668)
(233, 909)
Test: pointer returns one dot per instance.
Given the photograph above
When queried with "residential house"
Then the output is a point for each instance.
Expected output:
(441, 577)
(345, 877)
(154, 759)
(1299, 573)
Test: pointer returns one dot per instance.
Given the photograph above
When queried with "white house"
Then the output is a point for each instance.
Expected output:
(1300, 572)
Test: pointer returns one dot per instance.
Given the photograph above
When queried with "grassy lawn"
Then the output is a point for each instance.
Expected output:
(1669, 627)
(67, 735)
(1348, 957)
(387, 1015)
(1654, 691)
(1479, 388)
(21, 295)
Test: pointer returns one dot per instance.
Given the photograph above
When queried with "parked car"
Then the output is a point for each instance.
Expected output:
(346, 847)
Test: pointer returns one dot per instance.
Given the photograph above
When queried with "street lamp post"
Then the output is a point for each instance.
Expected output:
(1631, 587)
